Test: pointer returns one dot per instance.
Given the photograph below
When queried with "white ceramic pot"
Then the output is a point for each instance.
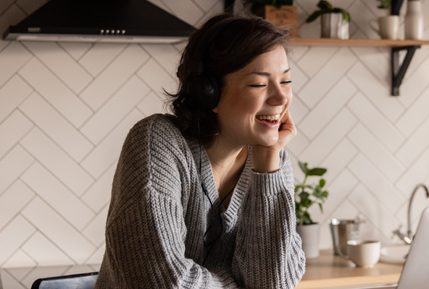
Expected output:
(310, 239)
(333, 26)
(388, 26)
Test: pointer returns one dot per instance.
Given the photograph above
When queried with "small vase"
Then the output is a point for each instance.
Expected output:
(414, 20)
(310, 239)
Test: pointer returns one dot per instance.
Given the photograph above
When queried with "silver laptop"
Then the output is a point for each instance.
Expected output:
(415, 273)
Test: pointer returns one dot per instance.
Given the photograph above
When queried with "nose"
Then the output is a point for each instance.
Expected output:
(280, 95)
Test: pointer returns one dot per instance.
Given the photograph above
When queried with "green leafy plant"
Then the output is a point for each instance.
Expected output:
(307, 195)
(384, 4)
(326, 7)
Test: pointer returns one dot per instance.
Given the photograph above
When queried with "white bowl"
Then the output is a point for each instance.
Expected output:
(394, 254)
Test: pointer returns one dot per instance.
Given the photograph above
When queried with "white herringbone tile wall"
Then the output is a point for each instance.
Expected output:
(65, 109)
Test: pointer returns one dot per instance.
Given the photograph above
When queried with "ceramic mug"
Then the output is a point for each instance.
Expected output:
(388, 27)
(364, 253)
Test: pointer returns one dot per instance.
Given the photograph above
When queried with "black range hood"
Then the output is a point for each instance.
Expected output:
(127, 21)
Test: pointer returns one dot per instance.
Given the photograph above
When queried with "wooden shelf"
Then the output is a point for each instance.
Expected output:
(363, 42)
(398, 69)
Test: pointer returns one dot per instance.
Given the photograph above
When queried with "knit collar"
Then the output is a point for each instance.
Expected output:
(206, 176)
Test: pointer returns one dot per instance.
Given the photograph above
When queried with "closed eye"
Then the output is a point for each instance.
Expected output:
(257, 85)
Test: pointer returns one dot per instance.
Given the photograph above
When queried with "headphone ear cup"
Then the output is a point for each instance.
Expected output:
(211, 92)
(204, 90)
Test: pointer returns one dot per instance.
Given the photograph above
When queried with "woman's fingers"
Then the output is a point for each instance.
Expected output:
(287, 129)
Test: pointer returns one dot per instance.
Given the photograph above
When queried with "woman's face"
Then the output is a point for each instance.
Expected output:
(254, 99)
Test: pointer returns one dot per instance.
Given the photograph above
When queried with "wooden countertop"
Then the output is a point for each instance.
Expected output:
(329, 271)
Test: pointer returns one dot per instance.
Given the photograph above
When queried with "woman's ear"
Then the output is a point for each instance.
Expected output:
(215, 109)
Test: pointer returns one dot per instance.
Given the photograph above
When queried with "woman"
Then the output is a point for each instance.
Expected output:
(204, 198)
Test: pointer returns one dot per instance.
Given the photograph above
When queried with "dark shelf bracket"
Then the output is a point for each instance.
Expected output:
(399, 70)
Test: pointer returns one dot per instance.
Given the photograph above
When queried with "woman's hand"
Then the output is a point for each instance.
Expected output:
(267, 158)
(287, 130)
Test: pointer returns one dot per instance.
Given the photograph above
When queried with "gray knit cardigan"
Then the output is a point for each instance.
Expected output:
(163, 231)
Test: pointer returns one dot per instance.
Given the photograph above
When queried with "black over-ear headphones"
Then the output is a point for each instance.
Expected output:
(203, 87)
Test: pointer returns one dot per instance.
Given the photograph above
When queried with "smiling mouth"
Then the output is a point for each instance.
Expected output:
(269, 119)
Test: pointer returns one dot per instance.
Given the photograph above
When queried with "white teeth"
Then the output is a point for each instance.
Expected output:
(269, 117)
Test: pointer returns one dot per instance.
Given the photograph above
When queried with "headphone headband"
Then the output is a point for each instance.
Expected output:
(203, 87)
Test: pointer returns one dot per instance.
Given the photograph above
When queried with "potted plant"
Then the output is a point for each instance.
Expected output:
(335, 20)
(388, 25)
(307, 195)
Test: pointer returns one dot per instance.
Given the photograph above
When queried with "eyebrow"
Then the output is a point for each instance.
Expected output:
(266, 73)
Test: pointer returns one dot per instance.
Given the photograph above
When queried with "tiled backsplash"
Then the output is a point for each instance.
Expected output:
(65, 109)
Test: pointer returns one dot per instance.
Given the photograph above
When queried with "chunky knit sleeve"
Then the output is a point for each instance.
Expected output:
(268, 250)
(145, 233)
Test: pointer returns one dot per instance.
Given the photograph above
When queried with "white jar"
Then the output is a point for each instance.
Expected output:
(414, 20)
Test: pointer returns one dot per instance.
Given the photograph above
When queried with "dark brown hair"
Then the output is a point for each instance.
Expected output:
(224, 44)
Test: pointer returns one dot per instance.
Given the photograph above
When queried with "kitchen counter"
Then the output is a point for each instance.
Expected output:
(326, 271)
(329, 271)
